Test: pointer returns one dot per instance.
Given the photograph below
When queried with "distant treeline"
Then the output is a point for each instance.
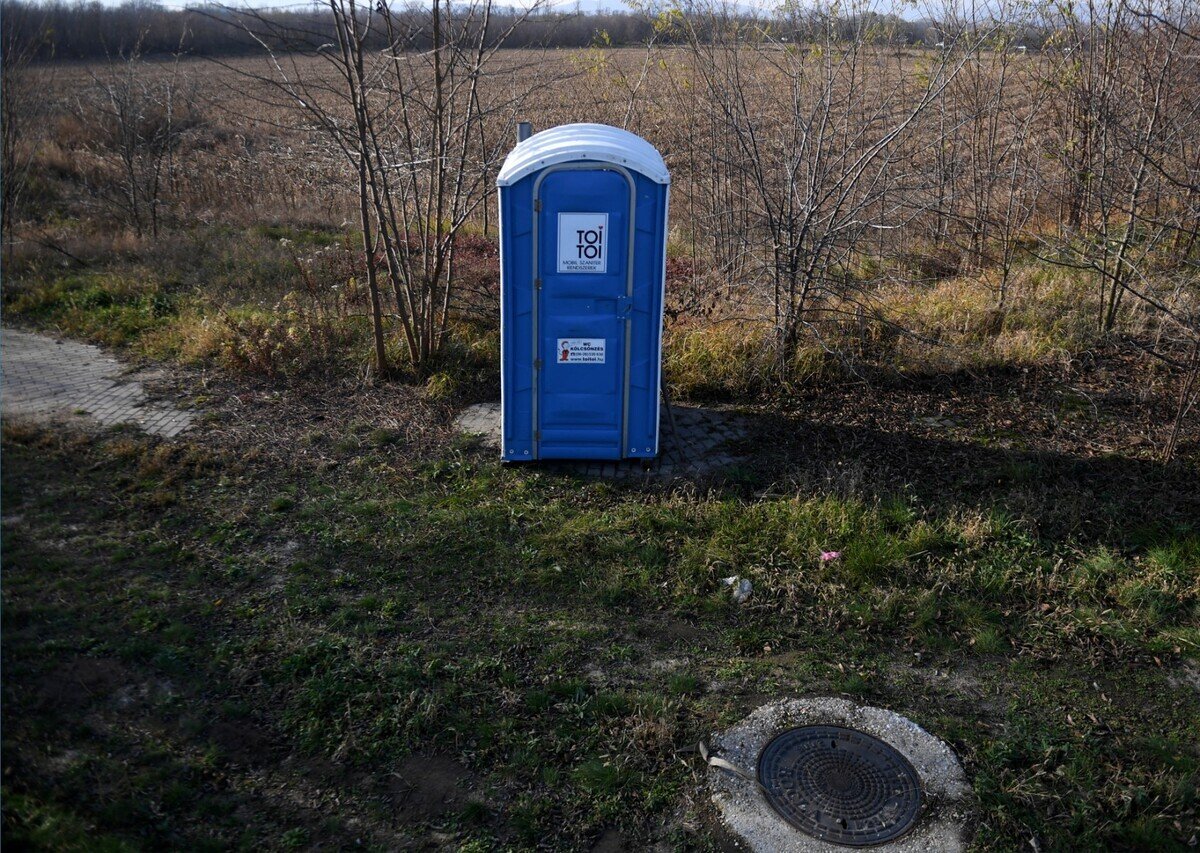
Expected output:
(66, 31)
(90, 30)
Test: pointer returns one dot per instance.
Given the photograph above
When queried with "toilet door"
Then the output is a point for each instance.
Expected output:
(584, 222)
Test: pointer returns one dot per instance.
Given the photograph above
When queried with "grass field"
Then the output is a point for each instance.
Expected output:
(252, 639)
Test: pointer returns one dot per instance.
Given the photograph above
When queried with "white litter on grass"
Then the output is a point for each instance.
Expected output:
(741, 588)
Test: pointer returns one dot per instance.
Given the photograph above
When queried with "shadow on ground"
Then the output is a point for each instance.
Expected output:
(962, 462)
(1063, 494)
(695, 443)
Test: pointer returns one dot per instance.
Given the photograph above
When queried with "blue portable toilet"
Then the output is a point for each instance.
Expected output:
(583, 231)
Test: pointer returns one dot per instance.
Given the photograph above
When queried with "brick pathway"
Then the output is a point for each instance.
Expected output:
(695, 442)
(46, 379)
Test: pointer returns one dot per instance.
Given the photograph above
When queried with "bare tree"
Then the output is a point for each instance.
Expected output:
(135, 109)
(818, 134)
(1129, 73)
(997, 101)
(18, 99)
(405, 107)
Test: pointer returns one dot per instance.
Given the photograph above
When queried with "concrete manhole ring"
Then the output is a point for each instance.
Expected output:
(746, 812)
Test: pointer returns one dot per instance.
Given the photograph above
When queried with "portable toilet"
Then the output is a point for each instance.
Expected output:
(583, 228)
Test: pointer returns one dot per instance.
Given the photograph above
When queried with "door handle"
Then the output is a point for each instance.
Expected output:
(624, 306)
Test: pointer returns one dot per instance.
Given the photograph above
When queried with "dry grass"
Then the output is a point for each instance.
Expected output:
(248, 169)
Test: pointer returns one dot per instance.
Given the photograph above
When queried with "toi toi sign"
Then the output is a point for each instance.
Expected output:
(583, 242)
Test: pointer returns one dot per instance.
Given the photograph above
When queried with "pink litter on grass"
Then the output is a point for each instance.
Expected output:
(828, 556)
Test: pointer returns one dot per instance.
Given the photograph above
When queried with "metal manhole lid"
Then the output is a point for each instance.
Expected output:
(840, 785)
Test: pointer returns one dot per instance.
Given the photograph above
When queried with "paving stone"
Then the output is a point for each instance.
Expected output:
(47, 379)
(693, 443)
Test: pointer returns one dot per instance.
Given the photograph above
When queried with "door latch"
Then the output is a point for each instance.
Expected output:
(624, 306)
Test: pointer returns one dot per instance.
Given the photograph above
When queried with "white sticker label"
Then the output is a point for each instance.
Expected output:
(583, 242)
(580, 351)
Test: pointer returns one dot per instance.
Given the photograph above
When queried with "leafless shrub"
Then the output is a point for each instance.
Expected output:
(412, 123)
(18, 97)
(810, 164)
(1129, 76)
(136, 118)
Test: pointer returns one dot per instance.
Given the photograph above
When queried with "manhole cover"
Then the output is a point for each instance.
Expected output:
(840, 785)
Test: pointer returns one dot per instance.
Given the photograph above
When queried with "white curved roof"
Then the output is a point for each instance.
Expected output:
(569, 142)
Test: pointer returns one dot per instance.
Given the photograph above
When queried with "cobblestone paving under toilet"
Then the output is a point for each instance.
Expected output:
(47, 379)
(694, 442)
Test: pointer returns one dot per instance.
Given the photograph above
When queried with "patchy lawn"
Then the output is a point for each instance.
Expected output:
(320, 619)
